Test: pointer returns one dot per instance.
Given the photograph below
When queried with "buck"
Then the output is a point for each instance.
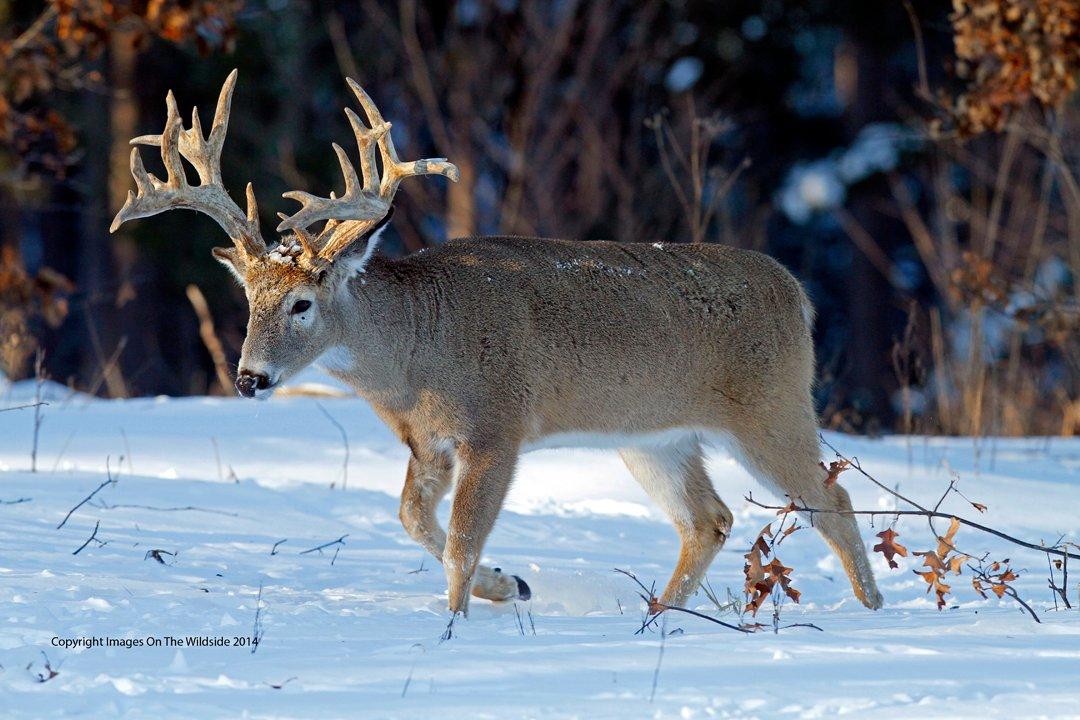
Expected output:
(481, 349)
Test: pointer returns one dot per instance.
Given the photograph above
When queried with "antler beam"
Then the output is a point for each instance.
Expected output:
(209, 197)
(362, 206)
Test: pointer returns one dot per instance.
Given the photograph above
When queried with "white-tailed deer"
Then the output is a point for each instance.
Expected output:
(483, 348)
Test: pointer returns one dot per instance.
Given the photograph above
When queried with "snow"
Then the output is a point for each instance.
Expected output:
(354, 630)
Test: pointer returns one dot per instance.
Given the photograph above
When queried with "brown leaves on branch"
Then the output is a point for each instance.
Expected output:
(940, 562)
(25, 300)
(765, 580)
(944, 560)
(1011, 53)
(50, 54)
(996, 579)
(88, 24)
(977, 281)
(832, 472)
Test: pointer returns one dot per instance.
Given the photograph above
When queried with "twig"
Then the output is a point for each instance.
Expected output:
(918, 513)
(412, 669)
(209, 336)
(28, 36)
(854, 462)
(39, 379)
(256, 628)
(339, 40)
(93, 536)
(654, 603)
(115, 382)
(320, 548)
(983, 576)
(659, 659)
(344, 440)
(517, 614)
(23, 407)
(1062, 591)
(86, 499)
(186, 508)
(921, 510)
(695, 613)
(63, 449)
(127, 454)
(920, 51)
(647, 593)
(283, 683)
(17, 501)
(217, 457)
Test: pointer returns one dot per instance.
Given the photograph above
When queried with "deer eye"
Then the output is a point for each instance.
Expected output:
(301, 306)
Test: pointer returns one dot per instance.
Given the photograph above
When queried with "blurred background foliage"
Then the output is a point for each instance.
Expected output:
(914, 164)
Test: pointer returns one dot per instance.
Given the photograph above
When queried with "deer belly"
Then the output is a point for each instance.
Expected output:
(600, 440)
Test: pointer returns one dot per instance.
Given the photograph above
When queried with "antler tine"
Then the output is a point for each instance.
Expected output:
(366, 140)
(394, 171)
(360, 208)
(204, 153)
(355, 204)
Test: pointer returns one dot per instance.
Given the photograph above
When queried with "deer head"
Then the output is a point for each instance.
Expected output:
(293, 290)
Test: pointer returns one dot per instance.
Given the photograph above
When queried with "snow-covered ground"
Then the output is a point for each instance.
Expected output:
(353, 631)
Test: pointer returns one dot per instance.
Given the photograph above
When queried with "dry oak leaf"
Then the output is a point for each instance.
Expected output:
(942, 590)
(780, 575)
(832, 472)
(933, 561)
(945, 542)
(889, 547)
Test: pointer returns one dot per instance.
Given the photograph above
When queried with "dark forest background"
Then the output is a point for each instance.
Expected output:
(914, 163)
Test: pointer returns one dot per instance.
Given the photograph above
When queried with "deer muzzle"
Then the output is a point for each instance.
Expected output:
(248, 382)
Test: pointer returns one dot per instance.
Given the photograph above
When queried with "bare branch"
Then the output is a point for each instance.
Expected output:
(345, 442)
(93, 537)
(320, 548)
(24, 407)
(99, 488)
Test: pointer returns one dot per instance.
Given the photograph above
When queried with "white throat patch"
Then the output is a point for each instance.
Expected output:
(338, 359)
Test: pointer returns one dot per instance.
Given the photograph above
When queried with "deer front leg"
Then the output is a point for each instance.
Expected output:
(426, 483)
(484, 476)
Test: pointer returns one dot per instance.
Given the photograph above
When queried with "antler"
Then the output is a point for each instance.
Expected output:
(204, 154)
(361, 207)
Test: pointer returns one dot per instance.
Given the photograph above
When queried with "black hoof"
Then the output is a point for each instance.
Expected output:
(524, 593)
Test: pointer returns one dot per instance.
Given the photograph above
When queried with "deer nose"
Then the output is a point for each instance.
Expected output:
(248, 382)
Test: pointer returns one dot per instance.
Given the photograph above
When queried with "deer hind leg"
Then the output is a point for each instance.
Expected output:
(674, 477)
(786, 459)
(426, 484)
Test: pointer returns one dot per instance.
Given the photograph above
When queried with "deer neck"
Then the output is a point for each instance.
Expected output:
(375, 343)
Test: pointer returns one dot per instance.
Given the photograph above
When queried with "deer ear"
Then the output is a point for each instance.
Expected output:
(233, 260)
(355, 259)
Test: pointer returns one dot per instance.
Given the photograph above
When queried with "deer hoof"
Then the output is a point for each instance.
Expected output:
(524, 593)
